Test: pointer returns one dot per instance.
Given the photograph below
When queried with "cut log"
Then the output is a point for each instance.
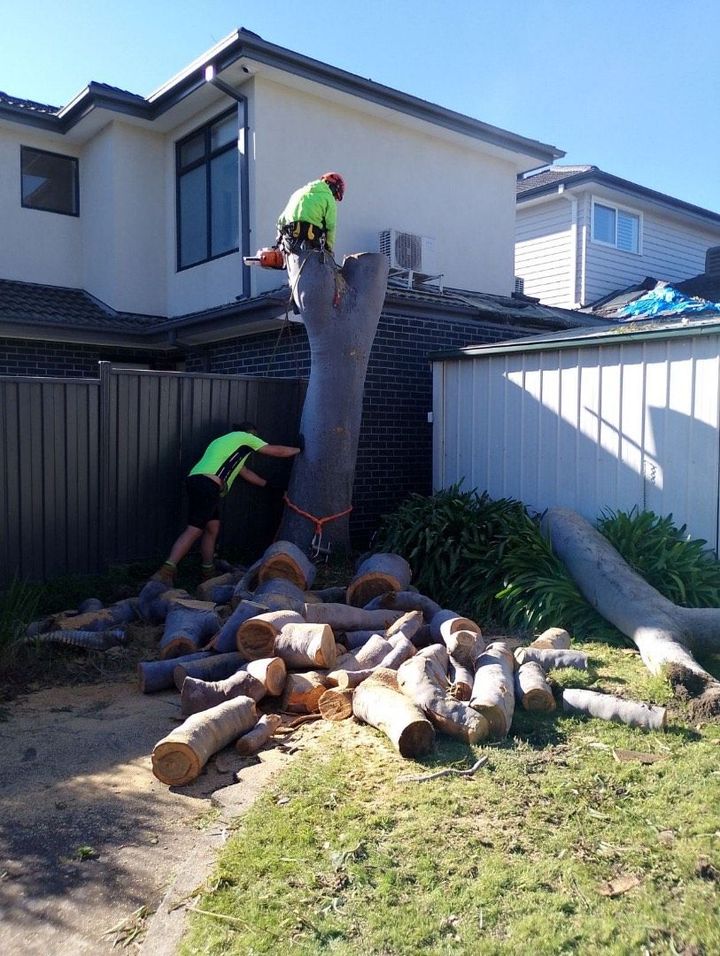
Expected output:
(122, 612)
(256, 636)
(447, 622)
(405, 601)
(333, 595)
(379, 702)
(251, 742)
(303, 692)
(377, 575)
(405, 627)
(336, 704)
(532, 688)
(225, 641)
(283, 559)
(402, 650)
(158, 675)
(493, 693)
(155, 600)
(369, 655)
(197, 695)
(608, 707)
(306, 645)
(278, 594)
(179, 758)
(347, 679)
(343, 618)
(464, 646)
(206, 589)
(550, 659)
(271, 671)
(355, 639)
(417, 678)
(214, 667)
(439, 658)
(461, 680)
(87, 640)
(554, 638)
(187, 629)
(247, 584)
(666, 634)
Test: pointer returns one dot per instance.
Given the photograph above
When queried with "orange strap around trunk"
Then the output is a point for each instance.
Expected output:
(318, 522)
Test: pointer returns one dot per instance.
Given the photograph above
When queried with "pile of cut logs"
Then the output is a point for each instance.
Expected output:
(256, 646)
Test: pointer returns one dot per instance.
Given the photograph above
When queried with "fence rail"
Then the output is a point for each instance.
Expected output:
(91, 469)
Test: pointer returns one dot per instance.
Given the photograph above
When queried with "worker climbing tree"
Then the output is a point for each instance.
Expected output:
(309, 218)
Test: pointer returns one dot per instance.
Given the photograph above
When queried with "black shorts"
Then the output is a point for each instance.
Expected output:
(203, 500)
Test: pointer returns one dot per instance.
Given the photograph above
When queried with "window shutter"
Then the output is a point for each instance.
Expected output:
(628, 230)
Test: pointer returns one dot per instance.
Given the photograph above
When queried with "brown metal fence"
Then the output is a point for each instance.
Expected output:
(91, 469)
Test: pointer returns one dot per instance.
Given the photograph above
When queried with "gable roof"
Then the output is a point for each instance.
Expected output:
(244, 44)
(548, 181)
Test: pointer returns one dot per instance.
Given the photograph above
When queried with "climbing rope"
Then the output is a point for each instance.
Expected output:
(316, 543)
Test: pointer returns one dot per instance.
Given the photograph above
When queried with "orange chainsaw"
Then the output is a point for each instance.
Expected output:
(267, 258)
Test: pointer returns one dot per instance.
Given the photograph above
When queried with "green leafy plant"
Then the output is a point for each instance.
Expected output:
(681, 568)
(18, 606)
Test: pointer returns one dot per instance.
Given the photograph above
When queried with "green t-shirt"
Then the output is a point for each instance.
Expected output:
(313, 203)
(226, 455)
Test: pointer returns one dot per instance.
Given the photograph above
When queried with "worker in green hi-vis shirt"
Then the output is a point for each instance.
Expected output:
(209, 481)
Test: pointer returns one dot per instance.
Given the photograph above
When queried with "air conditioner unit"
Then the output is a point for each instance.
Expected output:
(409, 252)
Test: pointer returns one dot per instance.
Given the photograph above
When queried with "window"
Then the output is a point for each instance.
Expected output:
(49, 181)
(616, 227)
(207, 192)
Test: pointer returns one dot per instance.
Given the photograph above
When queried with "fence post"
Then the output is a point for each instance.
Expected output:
(105, 447)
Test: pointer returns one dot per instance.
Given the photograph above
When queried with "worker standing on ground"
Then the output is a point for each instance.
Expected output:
(309, 219)
(209, 481)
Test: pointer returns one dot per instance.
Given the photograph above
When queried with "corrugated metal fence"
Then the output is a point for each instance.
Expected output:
(91, 469)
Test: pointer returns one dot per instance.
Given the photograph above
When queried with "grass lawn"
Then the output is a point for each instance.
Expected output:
(561, 843)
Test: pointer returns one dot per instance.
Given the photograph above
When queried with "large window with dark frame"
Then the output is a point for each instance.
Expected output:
(49, 181)
(207, 192)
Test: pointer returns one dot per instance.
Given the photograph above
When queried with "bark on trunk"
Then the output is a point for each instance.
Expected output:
(493, 693)
(666, 635)
(306, 645)
(187, 629)
(550, 659)
(377, 575)
(279, 594)
(215, 667)
(256, 738)
(343, 617)
(271, 671)
(178, 758)
(417, 678)
(197, 695)
(340, 326)
(607, 707)
(158, 675)
(532, 688)
(256, 636)
(379, 702)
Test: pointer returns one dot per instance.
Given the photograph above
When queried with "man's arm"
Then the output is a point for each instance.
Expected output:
(252, 478)
(278, 451)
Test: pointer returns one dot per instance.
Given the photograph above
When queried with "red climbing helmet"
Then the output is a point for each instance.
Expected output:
(336, 184)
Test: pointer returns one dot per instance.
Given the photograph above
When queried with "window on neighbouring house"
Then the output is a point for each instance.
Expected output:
(207, 192)
(49, 181)
(616, 227)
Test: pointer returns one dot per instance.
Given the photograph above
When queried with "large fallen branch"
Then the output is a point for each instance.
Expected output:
(666, 634)
(379, 702)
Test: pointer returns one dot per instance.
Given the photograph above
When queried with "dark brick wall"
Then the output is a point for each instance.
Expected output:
(395, 447)
(62, 359)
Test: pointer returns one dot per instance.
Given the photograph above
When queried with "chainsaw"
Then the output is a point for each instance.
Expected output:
(267, 258)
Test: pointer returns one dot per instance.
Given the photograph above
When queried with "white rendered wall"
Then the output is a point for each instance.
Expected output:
(604, 426)
(35, 246)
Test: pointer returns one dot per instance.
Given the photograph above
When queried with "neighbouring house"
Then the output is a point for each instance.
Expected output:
(126, 219)
(582, 233)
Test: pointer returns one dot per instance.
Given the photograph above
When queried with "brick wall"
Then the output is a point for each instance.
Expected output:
(395, 447)
(61, 359)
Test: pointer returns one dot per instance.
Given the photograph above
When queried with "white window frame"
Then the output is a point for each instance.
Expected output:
(599, 201)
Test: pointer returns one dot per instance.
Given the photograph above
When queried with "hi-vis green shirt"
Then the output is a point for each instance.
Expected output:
(225, 456)
(312, 203)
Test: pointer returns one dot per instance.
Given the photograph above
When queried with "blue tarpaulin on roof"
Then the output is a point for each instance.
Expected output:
(666, 301)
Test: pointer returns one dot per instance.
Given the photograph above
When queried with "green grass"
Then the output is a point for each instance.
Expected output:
(341, 857)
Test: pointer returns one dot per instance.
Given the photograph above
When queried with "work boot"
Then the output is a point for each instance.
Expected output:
(166, 574)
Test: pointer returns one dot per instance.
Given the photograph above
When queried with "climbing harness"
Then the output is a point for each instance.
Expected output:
(316, 546)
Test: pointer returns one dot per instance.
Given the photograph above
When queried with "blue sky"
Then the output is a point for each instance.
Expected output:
(631, 86)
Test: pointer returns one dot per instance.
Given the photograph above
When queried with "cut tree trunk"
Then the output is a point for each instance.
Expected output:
(197, 695)
(398, 654)
(406, 627)
(379, 702)
(279, 594)
(306, 645)
(256, 636)
(532, 688)
(156, 599)
(461, 680)
(554, 638)
(123, 612)
(336, 704)
(417, 678)
(187, 629)
(493, 693)
(225, 641)
(206, 589)
(406, 601)
(303, 692)
(343, 618)
(215, 667)
(377, 575)
(550, 659)
(464, 646)
(666, 634)
(158, 675)
(256, 738)
(271, 671)
(607, 707)
(283, 559)
(178, 758)
(446, 622)
(341, 311)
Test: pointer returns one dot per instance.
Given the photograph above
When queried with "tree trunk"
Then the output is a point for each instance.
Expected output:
(666, 635)
(406, 601)
(158, 675)
(617, 709)
(447, 622)
(554, 638)
(343, 617)
(225, 641)
(178, 758)
(256, 636)
(406, 627)
(417, 678)
(215, 667)
(493, 693)
(279, 594)
(283, 559)
(340, 333)
(378, 701)
(197, 695)
(256, 738)
(306, 645)
(377, 575)
(336, 704)
(187, 629)
(550, 659)
(532, 688)
(270, 671)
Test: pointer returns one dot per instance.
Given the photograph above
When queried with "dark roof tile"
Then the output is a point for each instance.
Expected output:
(29, 302)
(15, 102)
